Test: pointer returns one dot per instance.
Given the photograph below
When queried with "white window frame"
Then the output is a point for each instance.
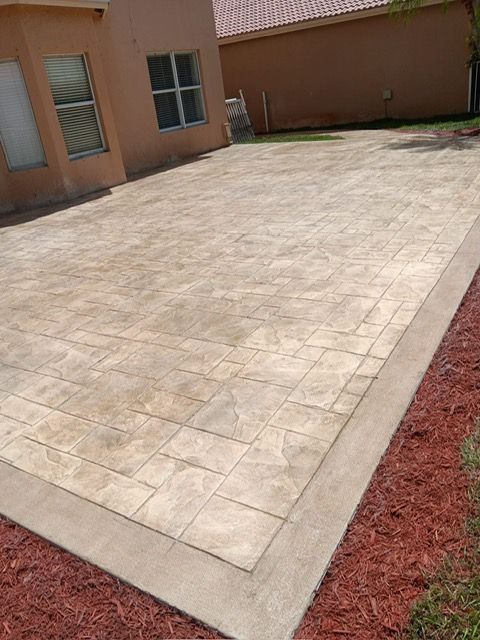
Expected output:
(178, 90)
(82, 103)
(35, 165)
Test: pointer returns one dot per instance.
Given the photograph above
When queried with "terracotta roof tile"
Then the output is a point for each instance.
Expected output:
(236, 17)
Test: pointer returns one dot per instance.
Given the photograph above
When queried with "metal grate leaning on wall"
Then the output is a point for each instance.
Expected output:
(239, 120)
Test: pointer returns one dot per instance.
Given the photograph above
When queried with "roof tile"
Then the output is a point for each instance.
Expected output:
(236, 17)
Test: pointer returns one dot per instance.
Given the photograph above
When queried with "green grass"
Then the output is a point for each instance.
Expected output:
(291, 137)
(450, 609)
(437, 123)
(446, 123)
(471, 452)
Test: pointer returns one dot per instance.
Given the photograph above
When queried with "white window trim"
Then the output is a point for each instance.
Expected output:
(178, 91)
(83, 103)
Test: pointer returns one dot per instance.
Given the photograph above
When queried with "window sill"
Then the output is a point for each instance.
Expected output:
(180, 128)
(31, 167)
(87, 154)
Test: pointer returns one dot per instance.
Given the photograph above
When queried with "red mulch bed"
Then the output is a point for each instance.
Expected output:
(414, 511)
(411, 516)
(48, 594)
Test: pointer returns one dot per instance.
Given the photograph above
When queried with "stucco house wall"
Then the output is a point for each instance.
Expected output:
(28, 33)
(337, 73)
(115, 47)
(133, 28)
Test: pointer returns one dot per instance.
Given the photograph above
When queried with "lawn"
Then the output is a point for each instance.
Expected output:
(439, 123)
(291, 137)
(436, 123)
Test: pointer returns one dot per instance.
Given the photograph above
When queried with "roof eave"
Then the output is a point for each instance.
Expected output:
(310, 24)
(78, 4)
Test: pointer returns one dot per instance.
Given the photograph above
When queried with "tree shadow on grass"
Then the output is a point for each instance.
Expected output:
(423, 144)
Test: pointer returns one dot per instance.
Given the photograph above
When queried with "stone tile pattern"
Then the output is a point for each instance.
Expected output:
(186, 356)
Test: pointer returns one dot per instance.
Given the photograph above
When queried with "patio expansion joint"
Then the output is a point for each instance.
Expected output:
(268, 602)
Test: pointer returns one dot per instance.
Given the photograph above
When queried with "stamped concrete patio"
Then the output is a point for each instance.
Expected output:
(185, 352)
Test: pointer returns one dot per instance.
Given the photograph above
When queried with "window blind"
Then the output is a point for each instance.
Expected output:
(166, 108)
(192, 105)
(161, 72)
(75, 104)
(18, 131)
(187, 69)
(177, 89)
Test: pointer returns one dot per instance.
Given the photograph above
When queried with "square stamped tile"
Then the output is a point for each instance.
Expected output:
(178, 500)
(274, 472)
(233, 532)
(240, 409)
(205, 450)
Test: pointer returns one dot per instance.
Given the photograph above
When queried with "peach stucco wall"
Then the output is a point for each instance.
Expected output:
(133, 28)
(337, 73)
(115, 47)
(28, 34)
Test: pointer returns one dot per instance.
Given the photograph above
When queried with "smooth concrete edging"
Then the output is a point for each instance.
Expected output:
(268, 603)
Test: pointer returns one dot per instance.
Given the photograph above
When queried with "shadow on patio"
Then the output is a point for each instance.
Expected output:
(422, 144)
(14, 218)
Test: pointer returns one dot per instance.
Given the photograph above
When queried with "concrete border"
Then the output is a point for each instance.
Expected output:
(268, 603)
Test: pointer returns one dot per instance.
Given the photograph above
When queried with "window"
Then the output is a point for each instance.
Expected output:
(75, 104)
(177, 89)
(18, 130)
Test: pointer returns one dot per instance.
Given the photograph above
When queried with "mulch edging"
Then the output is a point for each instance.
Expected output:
(411, 516)
(414, 511)
(49, 594)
